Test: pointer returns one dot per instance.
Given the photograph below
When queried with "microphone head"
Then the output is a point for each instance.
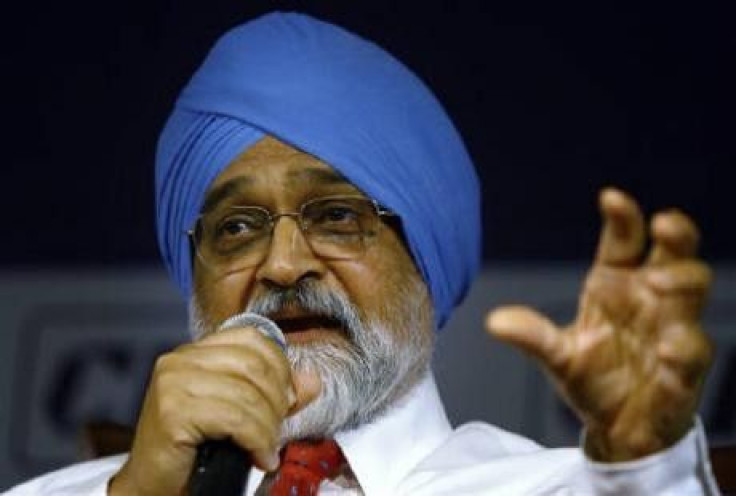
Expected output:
(266, 326)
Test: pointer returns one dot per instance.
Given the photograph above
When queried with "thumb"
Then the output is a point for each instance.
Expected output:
(527, 329)
(307, 386)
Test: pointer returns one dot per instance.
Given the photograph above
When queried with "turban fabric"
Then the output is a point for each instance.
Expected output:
(343, 100)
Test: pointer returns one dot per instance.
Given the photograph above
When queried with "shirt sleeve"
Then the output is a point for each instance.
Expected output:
(682, 469)
(84, 479)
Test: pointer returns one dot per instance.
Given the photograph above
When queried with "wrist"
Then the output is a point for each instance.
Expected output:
(609, 445)
(599, 447)
(124, 483)
(117, 486)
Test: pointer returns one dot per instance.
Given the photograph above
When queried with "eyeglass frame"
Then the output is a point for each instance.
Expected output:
(273, 218)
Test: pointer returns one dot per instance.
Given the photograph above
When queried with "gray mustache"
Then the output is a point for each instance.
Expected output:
(308, 296)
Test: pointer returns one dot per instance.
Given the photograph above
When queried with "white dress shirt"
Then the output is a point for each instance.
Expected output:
(413, 450)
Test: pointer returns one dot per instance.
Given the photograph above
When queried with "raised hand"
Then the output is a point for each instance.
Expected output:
(632, 363)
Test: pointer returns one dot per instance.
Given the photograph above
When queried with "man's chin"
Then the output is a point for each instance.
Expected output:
(343, 377)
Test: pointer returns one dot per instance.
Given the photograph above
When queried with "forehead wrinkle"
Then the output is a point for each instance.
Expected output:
(317, 175)
(293, 180)
(224, 191)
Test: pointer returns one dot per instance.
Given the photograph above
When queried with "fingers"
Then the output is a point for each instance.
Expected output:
(674, 234)
(670, 269)
(248, 336)
(682, 288)
(622, 238)
(234, 384)
(675, 237)
(680, 277)
(213, 407)
(236, 361)
(688, 353)
(308, 386)
(245, 349)
(527, 329)
(229, 368)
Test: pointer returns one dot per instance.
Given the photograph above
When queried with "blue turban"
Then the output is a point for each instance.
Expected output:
(344, 100)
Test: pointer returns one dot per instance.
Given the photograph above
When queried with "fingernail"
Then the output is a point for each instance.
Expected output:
(291, 396)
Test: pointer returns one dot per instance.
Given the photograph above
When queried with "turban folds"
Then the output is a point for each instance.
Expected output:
(349, 103)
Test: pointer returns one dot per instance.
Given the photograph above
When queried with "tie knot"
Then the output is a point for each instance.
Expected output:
(322, 457)
(304, 465)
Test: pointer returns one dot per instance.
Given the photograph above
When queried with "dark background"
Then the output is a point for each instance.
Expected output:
(553, 101)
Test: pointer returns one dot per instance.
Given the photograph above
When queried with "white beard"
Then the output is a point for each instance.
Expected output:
(361, 380)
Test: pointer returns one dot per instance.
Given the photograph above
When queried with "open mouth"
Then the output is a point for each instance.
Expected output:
(308, 326)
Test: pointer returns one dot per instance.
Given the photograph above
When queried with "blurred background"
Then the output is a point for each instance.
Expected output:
(553, 102)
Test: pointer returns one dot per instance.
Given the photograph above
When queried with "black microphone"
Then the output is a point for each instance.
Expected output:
(221, 467)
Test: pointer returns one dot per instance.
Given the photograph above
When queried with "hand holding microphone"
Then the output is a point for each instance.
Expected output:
(234, 385)
(221, 467)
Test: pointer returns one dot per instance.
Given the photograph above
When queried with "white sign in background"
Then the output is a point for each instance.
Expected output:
(78, 347)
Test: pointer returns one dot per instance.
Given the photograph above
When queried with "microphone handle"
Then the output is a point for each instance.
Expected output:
(220, 468)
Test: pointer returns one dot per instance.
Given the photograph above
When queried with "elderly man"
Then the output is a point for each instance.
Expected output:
(307, 176)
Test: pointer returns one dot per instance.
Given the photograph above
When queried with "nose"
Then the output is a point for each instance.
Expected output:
(290, 259)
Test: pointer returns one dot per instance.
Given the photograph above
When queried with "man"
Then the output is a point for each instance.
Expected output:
(307, 176)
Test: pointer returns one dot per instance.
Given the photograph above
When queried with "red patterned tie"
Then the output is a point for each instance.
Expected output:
(304, 465)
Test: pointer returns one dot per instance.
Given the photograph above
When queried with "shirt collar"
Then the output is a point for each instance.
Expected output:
(384, 451)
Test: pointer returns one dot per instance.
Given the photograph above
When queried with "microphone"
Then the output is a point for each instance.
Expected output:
(221, 467)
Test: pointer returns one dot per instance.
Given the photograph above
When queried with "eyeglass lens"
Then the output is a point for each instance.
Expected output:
(239, 237)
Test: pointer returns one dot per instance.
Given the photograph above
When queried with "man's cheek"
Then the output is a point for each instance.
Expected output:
(223, 297)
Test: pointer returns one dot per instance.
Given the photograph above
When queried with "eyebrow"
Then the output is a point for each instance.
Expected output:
(235, 185)
(223, 191)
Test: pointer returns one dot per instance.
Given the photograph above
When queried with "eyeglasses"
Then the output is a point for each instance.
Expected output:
(239, 237)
